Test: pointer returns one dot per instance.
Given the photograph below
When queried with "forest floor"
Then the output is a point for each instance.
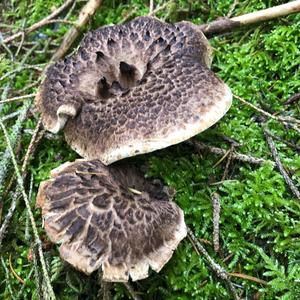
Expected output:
(260, 216)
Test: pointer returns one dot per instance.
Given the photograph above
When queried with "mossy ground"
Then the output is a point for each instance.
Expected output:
(260, 224)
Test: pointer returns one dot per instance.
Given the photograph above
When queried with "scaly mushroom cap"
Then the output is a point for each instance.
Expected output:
(110, 217)
(133, 88)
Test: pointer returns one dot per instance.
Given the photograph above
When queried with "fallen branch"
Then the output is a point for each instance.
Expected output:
(84, 16)
(39, 24)
(219, 151)
(131, 291)
(222, 273)
(216, 221)
(158, 9)
(225, 24)
(280, 166)
(288, 143)
(17, 98)
(293, 99)
(265, 113)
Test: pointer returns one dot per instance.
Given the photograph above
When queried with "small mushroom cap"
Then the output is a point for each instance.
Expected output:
(110, 217)
(133, 89)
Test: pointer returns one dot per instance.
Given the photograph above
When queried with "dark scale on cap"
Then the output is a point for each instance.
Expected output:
(123, 223)
(116, 90)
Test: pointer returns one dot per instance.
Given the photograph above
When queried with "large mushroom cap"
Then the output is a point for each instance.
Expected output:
(133, 88)
(110, 217)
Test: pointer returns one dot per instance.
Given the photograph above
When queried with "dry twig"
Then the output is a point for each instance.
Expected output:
(265, 113)
(216, 221)
(248, 277)
(39, 24)
(232, 8)
(18, 98)
(159, 8)
(225, 24)
(131, 291)
(278, 138)
(220, 272)
(293, 99)
(151, 7)
(228, 162)
(84, 16)
(219, 151)
(13, 271)
(280, 166)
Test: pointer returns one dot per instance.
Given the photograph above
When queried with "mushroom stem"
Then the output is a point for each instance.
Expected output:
(224, 24)
(63, 114)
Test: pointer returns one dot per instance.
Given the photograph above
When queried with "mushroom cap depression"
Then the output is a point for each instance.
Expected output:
(133, 88)
(110, 217)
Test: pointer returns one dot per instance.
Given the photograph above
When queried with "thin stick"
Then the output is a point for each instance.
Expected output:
(7, 50)
(13, 271)
(293, 99)
(8, 216)
(225, 24)
(159, 8)
(6, 271)
(222, 273)
(18, 98)
(27, 203)
(36, 272)
(151, 7)
(20, 69)
(84, 16)
(106, 294)
(15, 198)
(36, 137)
(280, 166)
(265, 113)
(219, 151)
(288, 143)
(248, 277)
(41, 23)
(222, 158)
(11, 115)
(131, 291)
(216, 221)
(228, 162)
(232, 8)
(31, 85)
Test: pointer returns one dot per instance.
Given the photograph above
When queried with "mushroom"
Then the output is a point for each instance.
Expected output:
(110, 217)
(132, 89)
